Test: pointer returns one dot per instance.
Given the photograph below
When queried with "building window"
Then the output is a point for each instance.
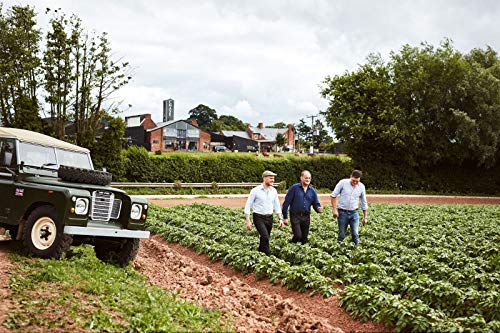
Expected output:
(169, 144)
(155, 142)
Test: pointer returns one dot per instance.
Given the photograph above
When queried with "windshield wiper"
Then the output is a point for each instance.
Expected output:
(47, 165)
(43, 166)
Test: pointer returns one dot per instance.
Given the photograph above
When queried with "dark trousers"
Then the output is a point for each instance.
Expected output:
(300, 227)
(263, 224)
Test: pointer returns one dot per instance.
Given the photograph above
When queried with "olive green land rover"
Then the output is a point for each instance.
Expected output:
(51, 198)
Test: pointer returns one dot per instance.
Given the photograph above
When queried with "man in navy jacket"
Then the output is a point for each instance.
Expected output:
(300, 197)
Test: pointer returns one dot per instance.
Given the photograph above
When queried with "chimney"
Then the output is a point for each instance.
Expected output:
(261, 125)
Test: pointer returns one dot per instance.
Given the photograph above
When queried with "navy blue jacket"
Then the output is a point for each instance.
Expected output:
(300, 202)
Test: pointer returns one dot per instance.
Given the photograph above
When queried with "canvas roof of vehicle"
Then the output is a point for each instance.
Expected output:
(39, 139)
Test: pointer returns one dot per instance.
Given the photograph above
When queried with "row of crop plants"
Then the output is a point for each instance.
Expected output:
(419, 268)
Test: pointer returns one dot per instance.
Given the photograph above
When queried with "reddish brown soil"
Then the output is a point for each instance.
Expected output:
(5, 267)
(239, 202)
(254, 305)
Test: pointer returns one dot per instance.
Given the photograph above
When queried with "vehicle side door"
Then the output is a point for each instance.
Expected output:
(8, 164)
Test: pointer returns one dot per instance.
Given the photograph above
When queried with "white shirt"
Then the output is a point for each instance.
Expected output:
(263, 201)
(349, 195)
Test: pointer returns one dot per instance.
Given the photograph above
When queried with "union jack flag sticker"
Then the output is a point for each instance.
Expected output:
(19, 192)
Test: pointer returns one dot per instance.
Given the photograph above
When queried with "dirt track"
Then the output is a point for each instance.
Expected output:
(239, 200)
(254, 305)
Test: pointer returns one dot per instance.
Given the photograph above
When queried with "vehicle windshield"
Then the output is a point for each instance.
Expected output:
(73, 158)
(52, 158)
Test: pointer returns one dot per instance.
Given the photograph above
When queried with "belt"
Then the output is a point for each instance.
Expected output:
(300, 214)
(345, 210)
(263, 215)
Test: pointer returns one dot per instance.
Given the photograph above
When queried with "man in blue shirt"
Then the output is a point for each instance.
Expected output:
(300, 197)
(264, 200)
(345, 201)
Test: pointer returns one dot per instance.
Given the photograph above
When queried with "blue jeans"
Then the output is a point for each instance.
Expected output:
(351, 219)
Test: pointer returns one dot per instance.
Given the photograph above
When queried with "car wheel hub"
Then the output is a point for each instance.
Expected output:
(43, 233)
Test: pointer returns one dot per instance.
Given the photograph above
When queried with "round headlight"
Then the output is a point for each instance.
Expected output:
(81, 206)
(135, 212)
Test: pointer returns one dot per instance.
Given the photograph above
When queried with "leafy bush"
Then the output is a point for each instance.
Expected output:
(326, 170)
(231, 168)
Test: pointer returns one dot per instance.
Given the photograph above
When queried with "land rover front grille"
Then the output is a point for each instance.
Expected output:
(105, 206)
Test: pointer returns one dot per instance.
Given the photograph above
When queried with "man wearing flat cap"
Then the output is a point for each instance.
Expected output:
(263, 200)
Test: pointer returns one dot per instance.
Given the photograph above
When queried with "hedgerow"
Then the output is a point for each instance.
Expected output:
(326, 170)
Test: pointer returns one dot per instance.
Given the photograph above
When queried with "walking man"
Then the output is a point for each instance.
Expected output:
(300, 197)
(264, 200)
(345, 201)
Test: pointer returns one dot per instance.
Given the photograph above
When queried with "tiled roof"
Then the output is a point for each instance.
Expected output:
(241, 134)
(269, 133)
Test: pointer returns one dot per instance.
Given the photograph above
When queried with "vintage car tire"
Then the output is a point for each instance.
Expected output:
(118, 252)
(86, 176)
(43, 235)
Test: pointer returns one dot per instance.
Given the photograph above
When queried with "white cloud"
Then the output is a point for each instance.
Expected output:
(242, 110)
(260, 60)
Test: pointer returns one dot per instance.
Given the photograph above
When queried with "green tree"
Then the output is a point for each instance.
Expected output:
(306, 135)
(107, 150)
(479, 127)
(227, 123)
(204, 116)
(425, 106)
(278, 125)
(304, 132)
(81, 77)
(19, 68)
(58, 70)
(280, 140)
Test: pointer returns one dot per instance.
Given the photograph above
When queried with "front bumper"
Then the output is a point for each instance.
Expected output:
(105, 232)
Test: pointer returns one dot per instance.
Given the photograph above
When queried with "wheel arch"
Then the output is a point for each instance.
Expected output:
(29, 210)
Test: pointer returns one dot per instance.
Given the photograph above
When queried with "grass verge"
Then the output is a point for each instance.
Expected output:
(81, 293)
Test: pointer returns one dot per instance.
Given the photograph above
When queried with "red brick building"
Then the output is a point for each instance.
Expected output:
(178, 135)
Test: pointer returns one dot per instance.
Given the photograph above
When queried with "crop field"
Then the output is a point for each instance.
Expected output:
(418, 268)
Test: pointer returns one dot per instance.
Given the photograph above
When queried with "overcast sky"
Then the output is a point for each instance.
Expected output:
(263, 61)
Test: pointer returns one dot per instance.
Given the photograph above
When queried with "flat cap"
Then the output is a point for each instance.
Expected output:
(268, 173)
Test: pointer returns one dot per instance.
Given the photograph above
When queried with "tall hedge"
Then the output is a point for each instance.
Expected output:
(231, 168)
(326, 171)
